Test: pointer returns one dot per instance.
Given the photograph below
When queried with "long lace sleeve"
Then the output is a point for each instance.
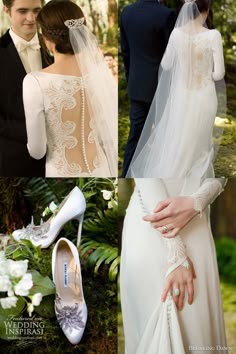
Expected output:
(218, 57)
(208, 192)
(176, 250)
(35, 117)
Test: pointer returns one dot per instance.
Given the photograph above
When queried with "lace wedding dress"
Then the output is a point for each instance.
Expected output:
(177, 139)
(59, 124)
(153, 327)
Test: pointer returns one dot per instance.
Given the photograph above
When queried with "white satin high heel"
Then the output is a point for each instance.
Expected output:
(72, 207)
(70, 306)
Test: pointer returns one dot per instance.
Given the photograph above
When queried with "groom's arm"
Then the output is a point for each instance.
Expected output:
(12, 128)
(124, 47)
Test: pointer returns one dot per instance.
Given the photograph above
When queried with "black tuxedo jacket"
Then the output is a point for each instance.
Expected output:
(145, 27)
(14, 157)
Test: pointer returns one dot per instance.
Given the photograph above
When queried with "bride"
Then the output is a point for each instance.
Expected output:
(169, 283)
(177, 139)
(71, 106)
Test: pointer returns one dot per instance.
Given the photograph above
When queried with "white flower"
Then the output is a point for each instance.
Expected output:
(36, 299)
(17, 269)
(10, 292)
(5, 283)
(30, 308)
(50, 209)
(53, 207)
(26, 283)
(8, 302)
(106, 194)
(2, 256)
(3, 268)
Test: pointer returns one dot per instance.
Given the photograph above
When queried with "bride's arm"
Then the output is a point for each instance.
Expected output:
(218, 57)
(176, 212)
(180, 271)
(177, 275)
(168, 57)
(35, 117)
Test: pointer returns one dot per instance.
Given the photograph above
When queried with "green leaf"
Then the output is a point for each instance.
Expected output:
(43, 285)
(46, 307)
(13, 311)
(113, 270)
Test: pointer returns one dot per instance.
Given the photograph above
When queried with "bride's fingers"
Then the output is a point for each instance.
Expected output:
(175, 288)
(156, 217)
(193, 270)
(190, 292)
(161, 223)
(162, 205)
(171, 234)
(165, 291)
(165, 229)
(181, 297)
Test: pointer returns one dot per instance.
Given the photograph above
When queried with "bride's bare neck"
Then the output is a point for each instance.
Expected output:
(64, 64)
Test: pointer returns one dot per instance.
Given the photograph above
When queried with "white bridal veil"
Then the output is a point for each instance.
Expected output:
(178, 139)
(100, 88)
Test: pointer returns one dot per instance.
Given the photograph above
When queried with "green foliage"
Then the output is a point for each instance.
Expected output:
(24, 250)
(100, 222)
(42, 285)
(101, 252)
(112, 36)
(226, 257)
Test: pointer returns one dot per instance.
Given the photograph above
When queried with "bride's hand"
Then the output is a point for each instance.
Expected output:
(181, 279)
(171, 215)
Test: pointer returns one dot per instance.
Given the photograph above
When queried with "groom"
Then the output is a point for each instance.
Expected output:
(20, 53)
(145, 27)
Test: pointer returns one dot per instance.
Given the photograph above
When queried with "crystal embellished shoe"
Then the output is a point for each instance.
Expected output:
(70, 306)
(72, 207)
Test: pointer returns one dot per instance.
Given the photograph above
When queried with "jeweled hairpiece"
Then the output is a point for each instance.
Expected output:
(74, 23)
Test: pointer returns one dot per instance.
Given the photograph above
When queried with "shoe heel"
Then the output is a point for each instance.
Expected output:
(80, 219)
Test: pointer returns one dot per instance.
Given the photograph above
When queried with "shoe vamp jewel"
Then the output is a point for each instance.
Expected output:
(69, 317)
(36, 232)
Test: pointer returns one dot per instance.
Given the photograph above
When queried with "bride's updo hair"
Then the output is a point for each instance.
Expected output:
(205, 6)
(51, 20)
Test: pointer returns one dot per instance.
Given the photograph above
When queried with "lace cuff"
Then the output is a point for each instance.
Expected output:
(176, 253)
(208, 192)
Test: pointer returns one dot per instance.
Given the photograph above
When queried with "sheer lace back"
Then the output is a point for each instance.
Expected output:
(195, 69)
(70, 135)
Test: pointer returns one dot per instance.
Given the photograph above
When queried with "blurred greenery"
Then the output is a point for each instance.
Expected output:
(224, 19)
(226, 258)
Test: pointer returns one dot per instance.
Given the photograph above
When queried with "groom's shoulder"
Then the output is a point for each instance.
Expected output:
(152, 6)
(5, 40)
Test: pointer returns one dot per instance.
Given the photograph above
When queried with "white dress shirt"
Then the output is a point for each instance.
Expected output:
(29, 52)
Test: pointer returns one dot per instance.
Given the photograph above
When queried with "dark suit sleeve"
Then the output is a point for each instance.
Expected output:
(12, 129)
(169, 25)
(124, 48)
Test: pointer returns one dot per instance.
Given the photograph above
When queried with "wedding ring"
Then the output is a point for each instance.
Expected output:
(176, 292)
(186, 264)
(165, 228)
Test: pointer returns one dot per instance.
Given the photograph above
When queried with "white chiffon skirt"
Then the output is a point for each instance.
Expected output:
(153, 327)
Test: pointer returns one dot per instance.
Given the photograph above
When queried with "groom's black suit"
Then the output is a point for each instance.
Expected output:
(14, 157)
(145, 27)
